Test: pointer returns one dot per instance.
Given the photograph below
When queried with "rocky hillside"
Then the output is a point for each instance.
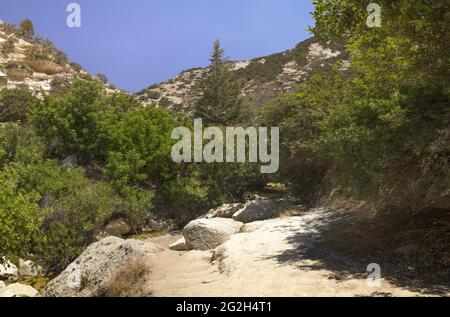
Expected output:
(262, 78)
(34, 63)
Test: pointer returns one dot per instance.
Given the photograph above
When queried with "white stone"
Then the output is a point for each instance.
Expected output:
(179, 245)
(207, 234)
(8, 270)
(89, 275)
(18, 290)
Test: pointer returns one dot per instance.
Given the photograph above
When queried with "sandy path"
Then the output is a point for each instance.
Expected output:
(267, 262)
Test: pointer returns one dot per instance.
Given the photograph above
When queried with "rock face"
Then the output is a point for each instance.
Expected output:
(258, 210)
(8, 270)
(18, 290)
(179, 245)
(224, 211)
(90, 273)
(118, 228)
(207, 234)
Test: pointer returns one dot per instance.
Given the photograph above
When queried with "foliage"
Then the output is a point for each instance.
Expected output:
(220, 102)
(14, 104)
(26, 30)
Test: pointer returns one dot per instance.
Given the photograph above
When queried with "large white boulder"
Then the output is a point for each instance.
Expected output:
(207, 234)
(88, 276)
(18, 290)
(258, 210)
(8, 270)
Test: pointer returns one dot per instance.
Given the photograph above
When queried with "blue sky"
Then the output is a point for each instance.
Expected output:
(137, 43)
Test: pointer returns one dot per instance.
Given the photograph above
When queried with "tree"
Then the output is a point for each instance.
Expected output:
(220, 103)
(102, 78)
(14, 104)
(26, 30)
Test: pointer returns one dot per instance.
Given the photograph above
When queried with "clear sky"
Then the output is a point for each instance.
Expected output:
(137, 43)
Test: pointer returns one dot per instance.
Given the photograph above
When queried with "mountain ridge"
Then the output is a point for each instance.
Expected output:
(262, 78)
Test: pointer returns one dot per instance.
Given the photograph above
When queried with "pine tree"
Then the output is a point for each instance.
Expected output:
(220, 103)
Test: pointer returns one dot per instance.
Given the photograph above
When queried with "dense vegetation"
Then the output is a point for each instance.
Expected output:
(384, 133)
(381, 134)
(52, 211)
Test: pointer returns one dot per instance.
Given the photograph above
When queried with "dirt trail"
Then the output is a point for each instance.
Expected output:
(270, 261)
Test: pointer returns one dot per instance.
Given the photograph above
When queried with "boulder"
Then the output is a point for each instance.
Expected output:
(258, 210)
(29, 269)
(179, 245)
(224, 211)
(89, 275)
(18, 290)
(8, 270)
(118, 228)
(207, 234)
(71, 160)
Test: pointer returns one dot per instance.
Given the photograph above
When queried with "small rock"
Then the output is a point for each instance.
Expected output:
(71, 160)
(207, 234)
(258, 210)
(18, 290)
(224, 211)
(118, 228)
(29, 269)
(8, 270)
(180, 245)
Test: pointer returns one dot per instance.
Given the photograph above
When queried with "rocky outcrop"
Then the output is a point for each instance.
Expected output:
(207, 234)
(224, 211)
(118, 228)
(258, 210)
(89, 275)
(179, 245)
(18, 290)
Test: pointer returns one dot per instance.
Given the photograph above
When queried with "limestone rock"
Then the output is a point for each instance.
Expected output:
(207, 234)
(224, 211)
(258, 210)
(18, 290)
(8, 270)
(179, 245)
(89, 275)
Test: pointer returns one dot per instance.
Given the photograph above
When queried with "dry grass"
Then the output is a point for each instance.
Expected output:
(43, 66)
(129, 281)
(17, 74)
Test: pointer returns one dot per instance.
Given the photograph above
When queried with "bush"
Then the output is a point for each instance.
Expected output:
(20, 218)
(14, 104)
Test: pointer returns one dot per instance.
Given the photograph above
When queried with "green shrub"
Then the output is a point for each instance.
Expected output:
(14, 104)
